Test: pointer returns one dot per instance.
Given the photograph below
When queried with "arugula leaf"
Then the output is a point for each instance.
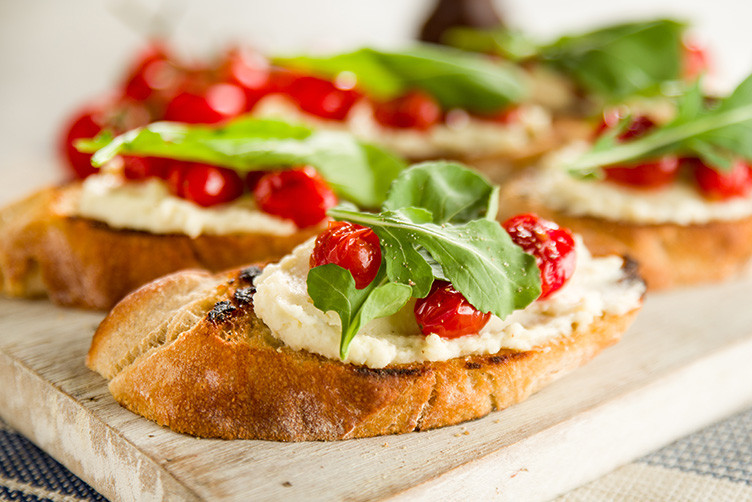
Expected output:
(622, 60)
(613, 62)
(333, 288)
(716, 133)
(511, 44)
(478, 257)
(454, 78)
(447, 189)
(356, 171)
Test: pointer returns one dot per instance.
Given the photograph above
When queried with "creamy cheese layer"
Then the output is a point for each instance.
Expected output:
(282, 302)
(680, 203)
(148, 206)
(461, 135)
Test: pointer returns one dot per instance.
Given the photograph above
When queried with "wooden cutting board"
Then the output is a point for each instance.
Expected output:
(685, 363)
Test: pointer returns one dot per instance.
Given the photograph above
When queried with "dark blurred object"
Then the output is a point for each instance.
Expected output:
(454, 13)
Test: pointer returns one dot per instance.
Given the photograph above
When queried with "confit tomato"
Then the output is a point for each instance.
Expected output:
(552, 247)
(300, 195)
(152, 72)
(141, 168)
(414, 110)
(722, 185)
(352, 247)
(250, 71)
(447, 313)
(695, 60)
(650, 174)
(638, 125)
(320, 97)
(210, 185)
(87, 124)
(214, 104)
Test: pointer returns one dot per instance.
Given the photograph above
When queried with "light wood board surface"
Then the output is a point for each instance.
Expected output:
(683, 364)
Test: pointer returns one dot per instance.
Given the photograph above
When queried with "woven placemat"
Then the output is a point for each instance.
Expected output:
(712, 464)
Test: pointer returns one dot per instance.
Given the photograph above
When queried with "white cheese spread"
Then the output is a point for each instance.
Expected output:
(461, 135)
(148, 206)
(282, 302)
(680, 203)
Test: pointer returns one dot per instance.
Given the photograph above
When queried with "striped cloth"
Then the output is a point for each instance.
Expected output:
(709, 465)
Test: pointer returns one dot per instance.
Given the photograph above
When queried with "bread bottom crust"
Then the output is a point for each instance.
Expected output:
(224, 376)
(83, 263)
(669, 255)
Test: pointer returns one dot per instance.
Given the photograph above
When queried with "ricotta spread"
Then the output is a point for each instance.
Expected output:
(680, 203)
(149, 206)
(282, 302)
(461, 135)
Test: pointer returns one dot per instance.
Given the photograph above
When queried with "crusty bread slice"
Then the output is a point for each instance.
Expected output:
(669, 255)
(189, 353)
(84, 263)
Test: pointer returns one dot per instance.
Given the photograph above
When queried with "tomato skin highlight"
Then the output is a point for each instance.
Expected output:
(551, 245)
(722, 185)
(352, 247)
(414, 110)
(300, 195)
(447, 313)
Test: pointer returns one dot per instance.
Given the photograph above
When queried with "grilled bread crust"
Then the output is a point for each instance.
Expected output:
(188, 352)
(84, 263)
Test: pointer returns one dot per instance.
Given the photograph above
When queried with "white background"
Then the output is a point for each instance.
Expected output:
(54, 55)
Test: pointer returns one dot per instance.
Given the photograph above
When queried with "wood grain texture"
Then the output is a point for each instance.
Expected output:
(682, 365)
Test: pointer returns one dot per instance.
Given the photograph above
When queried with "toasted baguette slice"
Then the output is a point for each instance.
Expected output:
(188, 352)
(84, 263)
(669, 255)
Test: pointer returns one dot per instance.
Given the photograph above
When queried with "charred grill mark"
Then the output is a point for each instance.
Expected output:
(388, 372)
(244, 296)
(631, 269)
(248, 274)
(221, 312)
(498, 359)
(472, 365)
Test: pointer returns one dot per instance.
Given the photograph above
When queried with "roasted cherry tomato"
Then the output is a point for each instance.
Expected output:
(321, 97)
(300, 195)
(250, 71)
(722, 185)
(352, 247)
(695, 59)
(447, 313)
(414, 110)
(215, 104)
(86, 124)
(152, 72)
(210, 185)
(552, 247)
(651, 174)
(639, 125)
(175, 177)
(141, 168)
